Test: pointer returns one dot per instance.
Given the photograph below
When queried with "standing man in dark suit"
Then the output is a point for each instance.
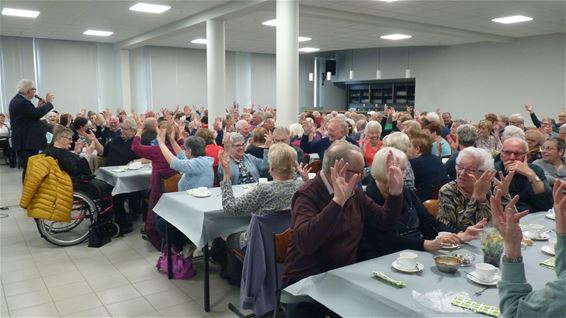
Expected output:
(28, 137)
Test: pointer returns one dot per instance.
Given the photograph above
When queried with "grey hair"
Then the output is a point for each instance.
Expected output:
(517, 139)
(374, 125)
(296, 130)
(512, 131)
(433, 117)
(562, 128)
(340, 149)
(517, 116)
(132, 123)
(260, 114)
(240, 123)
(24, 86)
(149, 123)
(280, 130)
(397, 140)
(235, 137)
(378, 167)
(197, 146)
(343, 124)
(481, 155)
(467, 135)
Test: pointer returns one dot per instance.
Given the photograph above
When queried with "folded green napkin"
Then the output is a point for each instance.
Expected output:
(381, 276)
(191, 191)
(550, 263)
(467, 303)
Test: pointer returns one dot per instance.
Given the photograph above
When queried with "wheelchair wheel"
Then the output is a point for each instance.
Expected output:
(76, 231)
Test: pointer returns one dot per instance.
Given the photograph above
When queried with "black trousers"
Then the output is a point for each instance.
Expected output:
(23, 156)
(9, 152)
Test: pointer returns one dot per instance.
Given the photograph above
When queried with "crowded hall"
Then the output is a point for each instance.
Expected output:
(283, 158)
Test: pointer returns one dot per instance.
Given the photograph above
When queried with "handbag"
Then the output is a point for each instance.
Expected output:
(101, 232)
(182, 268)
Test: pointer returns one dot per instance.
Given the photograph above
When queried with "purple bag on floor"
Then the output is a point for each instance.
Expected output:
(182, 267)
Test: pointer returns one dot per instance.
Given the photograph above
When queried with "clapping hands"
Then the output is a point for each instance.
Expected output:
(342, 188)
(303, 170)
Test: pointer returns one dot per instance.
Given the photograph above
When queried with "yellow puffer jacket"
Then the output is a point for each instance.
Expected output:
(48, 190)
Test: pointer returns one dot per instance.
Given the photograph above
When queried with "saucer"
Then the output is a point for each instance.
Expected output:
(134, 168)
(119, 170)
(474, 278)
(201, 194)
(450, 246)
(543, 237)
(416, 269)
(547, 250)
(550, 215)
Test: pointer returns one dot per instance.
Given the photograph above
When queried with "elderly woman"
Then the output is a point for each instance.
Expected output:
(257, 145)
(440, 147)
(158, 165)
(416, 228)
(296, 133)
(5, 134)
(430, 173)
(486, 138)
(401, 141)
(553, 162)
(534, 139)
(465, 201)
(266, 197)
(211, 149)
(370, 142)
(244, 168)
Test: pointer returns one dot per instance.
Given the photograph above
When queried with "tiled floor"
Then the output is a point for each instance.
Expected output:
(118, 280)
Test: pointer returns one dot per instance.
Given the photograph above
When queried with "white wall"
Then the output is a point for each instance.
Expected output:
(467, 80)
(16, 62)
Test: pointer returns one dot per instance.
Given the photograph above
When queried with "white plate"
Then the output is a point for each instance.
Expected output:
(547, 250)
(451, 247)
(134, 168)
(119, 170)
(543, 237)
(417, 268)
(202, 194)
(550, 215)
(474, 278)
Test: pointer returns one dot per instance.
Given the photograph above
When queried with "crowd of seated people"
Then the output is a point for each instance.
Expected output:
(401, 156)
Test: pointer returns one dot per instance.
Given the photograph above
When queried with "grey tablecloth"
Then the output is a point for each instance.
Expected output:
(201, 219)
(351, 291)
(127, 181)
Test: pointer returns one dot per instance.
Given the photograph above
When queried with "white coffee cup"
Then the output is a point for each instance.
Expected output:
(486, 272)
(440, 234)
(262, 180)
(552, 244)
(535, 230)
(202, 189)
(312, 175)
(407, 260)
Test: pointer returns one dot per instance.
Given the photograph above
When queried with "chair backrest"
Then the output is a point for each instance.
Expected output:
(315, 166)
(432, 207)
(170, 183)
(281, 242)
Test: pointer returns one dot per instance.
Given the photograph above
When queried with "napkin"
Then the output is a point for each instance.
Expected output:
(474, 306)
(381, 276)
(191, 191)
(549, 263)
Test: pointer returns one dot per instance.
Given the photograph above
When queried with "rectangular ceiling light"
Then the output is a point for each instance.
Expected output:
(308, 49)
(512, 19)
(387, 0)
(270, 22)
(98, 33)
(304, 39)
(20, 13)
(149, 8)
(199, 41)
(396, 36)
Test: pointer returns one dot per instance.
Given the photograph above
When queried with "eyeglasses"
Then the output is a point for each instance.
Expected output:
(352, 171)
(68, 138)
(547, 149)
(238, 146)
(513, 153)
(468, 170)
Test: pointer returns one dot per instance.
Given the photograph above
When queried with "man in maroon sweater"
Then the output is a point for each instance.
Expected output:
(328, 215)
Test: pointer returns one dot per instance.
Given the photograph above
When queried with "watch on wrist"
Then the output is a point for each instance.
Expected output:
(518, 259)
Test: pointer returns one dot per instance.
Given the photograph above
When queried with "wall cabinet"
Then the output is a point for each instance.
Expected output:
(373, 95)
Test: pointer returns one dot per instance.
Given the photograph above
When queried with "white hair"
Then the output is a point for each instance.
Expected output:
(517, 117)
(482, 156)
(516, 139)
(512, 131)
(24, 86)
(373, 125)
(296, 130)
(240, 124)
(434, 118)
(378, 167)
(397, 140)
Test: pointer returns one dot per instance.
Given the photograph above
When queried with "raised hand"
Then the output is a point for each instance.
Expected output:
(559, 206)
(161, 136)
(529, 108)
(303, 170)
(506, 221)
(224, 161)
(268, 139)
(482, 185)
(342, 188)
(89, 150)
(504, 182)
(394, 175)
(473, 232)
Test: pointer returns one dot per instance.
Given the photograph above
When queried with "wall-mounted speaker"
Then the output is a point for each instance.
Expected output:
(331, 66)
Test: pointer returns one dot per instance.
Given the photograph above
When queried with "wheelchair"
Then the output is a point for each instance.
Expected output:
(91, 206)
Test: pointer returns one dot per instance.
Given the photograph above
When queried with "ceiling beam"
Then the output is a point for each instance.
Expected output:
(319, 12)
(223, 11)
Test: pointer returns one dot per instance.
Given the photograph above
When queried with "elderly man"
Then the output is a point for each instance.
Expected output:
(282, 135)
(517, 120)
(28, 137)
(337, 130)
(447, 119)
(149, 133)
(243, 128)
(113, 130)
(257, 118)
(50, 122)
(328, 215)
(529, 181)
(538, 123)
(562, 132)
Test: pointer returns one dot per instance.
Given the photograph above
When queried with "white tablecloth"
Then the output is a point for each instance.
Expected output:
(351, 291)
(201, 219)
(127, 181)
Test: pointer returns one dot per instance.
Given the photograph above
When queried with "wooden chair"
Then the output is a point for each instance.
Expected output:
(280, 245)
(432, 207)
(170, 183)
(315, 166)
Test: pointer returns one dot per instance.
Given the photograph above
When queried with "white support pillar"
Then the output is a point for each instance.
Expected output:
(287, 85)
(125, 82)
(215, 70)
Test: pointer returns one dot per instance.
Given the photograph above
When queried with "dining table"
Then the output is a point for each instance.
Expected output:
(125, 179)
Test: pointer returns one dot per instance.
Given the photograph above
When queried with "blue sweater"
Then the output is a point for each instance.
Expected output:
(319, 146)
(430, 175)
(197, 172)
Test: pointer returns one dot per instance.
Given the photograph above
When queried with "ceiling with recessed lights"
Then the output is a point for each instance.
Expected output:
(331, 24)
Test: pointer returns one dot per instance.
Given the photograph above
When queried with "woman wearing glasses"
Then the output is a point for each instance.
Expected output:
(553, 162)
(465, 201)
(244, 167)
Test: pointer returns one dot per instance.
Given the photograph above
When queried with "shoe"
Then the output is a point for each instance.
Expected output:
(142, 231)
(144, 237)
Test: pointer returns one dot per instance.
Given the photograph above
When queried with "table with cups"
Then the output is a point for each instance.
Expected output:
(126, 179)
(352, 291)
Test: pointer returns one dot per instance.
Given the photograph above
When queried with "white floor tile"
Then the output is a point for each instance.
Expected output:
(188, 309)
(130, 308)
(105, 282)
(44, 310)
(63, 292)
(153, 314)
(56, 268)
(20, 276)
(76, 304)
(141, 272)
(118, 294)
(28, 300)
(98, 312)
(14, 266)
(63, 279)
(167, 299)
(26, 286)
(153, 286)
